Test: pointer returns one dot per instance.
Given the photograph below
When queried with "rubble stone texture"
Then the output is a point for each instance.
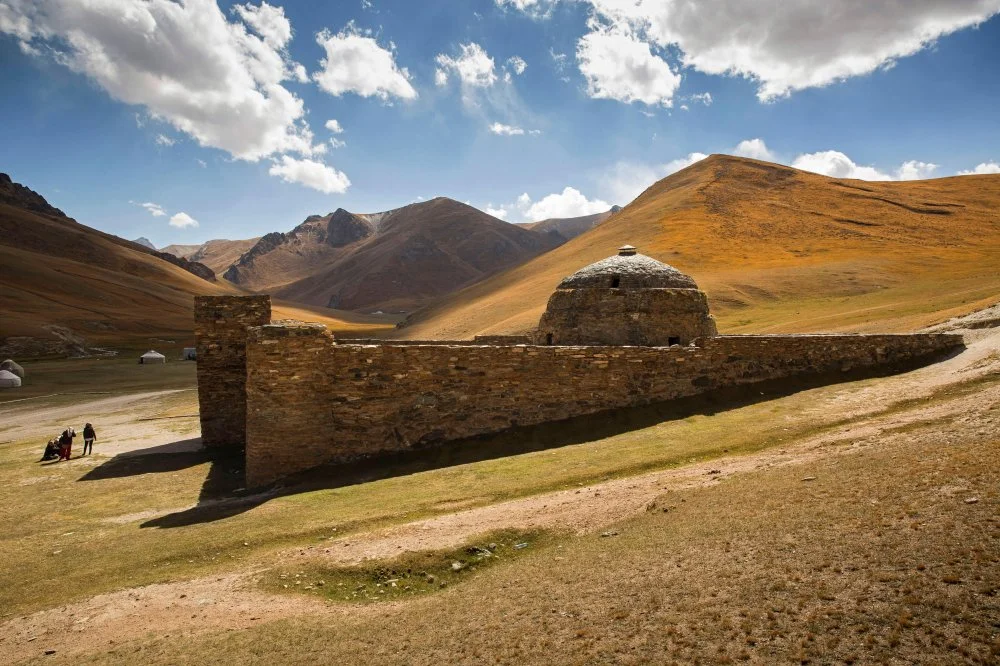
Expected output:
(628, 299)
(221, 324)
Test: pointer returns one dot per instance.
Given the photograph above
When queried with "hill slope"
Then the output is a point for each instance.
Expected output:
(570, 227)
(396, 260)
(64, 286)
(217, 254)
(777, 250)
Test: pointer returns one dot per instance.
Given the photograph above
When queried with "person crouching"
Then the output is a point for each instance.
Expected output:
(66, 443)
(51, 450)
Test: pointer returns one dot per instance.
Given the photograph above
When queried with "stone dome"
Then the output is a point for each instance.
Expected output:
(628, 270)
(627, 299)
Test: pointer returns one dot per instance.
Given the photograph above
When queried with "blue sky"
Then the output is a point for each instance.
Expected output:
(217, 113)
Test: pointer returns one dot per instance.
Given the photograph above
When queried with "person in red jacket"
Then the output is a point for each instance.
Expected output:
(66, 443)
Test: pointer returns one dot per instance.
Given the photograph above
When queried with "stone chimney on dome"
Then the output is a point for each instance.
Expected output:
(627, 251)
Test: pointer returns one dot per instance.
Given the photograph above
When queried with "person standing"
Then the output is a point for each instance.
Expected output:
(89, 435)
(66, 443)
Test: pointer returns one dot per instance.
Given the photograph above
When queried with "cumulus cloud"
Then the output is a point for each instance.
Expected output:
(786, 45)
(310, 173)
(617, 65)
(156, 210)
(568, 203)
(334, 126)
(916, 170)
(705, 98)
(268, 22)
(356, 63)
(218, 81)
(183, 221)
(838, 165)
(535, 8)
(981, 169)
(500, 213)
(754, 149)
(473, 66)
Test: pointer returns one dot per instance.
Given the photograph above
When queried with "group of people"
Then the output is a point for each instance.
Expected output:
(61, 447)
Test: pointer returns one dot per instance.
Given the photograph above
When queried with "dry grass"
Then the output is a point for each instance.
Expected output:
(777, 250)
(880, 558)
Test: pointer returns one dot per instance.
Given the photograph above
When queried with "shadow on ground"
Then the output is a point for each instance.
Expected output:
(223, 495)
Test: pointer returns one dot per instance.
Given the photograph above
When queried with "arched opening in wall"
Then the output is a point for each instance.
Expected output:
(548, 339)
(673, 340)
(616, 282)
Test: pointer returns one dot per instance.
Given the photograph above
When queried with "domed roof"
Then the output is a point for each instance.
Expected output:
(628, 270)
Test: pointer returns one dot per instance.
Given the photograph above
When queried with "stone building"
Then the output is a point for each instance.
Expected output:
(624, 332)
(627, 299)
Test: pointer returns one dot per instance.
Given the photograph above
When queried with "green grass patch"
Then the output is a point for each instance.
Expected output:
(409, 575)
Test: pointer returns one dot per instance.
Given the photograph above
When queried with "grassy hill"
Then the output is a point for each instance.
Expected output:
(65, 286)
(777, 250)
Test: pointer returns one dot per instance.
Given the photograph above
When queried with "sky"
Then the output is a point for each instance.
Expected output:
(187, 120)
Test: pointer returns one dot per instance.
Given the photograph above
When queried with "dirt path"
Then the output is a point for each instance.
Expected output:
(129, 422)
(233, 601)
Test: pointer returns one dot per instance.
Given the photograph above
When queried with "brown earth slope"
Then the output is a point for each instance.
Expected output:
(777, 250)
(218, 254)
(65, 286)
(568, 228)
(392, 261)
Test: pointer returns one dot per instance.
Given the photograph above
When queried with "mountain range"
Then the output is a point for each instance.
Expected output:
(776, 249)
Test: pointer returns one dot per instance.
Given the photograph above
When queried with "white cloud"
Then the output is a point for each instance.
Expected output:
(506, 130)
(355, 63)
(154, 209)
(164, 140)
(268, 22)
(337, 143)
(473, 66)
(518, 64)
(568, 203)
(754, 149)
(619, 66)
(838, 165)
(183, 221)
(558, 59)
(787, 45)
(534, 8)
(915, 170)
(980, 169)
(310, 173)
(499, 213)
(334, 126)
(184, 62)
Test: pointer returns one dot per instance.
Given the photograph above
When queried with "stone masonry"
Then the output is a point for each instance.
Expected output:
(310, 400)
(221, 324)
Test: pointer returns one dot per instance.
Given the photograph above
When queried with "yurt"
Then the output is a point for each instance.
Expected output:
(11, 366)
(152, 357)
(9, 380)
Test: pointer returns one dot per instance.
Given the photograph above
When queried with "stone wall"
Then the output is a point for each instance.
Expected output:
(311, 400)
(220, 325)
(648, 317)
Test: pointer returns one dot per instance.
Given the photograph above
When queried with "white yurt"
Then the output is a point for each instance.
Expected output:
(152, 357)
(9, 380)
(11, 366)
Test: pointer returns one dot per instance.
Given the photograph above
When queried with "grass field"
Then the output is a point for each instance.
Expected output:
(667, 536)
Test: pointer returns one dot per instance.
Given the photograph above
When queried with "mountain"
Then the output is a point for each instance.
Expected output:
(568, 228)
(182, 251)
(145, 242)
(777, 250)
(65, 287)
(393, 261)
(217, 254)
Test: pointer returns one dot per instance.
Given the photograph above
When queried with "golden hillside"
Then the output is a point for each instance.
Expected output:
(777, 250)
